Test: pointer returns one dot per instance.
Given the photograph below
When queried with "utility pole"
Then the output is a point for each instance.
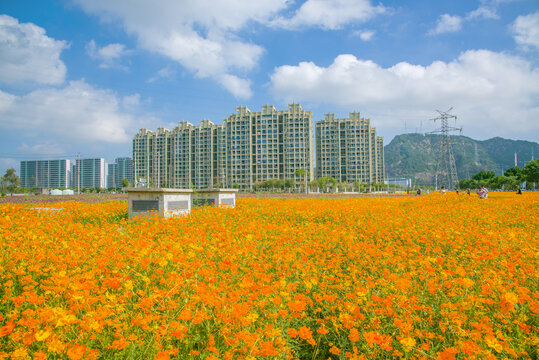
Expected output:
(446, 169)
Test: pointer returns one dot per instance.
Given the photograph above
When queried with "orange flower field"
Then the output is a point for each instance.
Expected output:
(431, 277)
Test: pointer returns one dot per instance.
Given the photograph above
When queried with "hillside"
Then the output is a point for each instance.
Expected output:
(414, 155)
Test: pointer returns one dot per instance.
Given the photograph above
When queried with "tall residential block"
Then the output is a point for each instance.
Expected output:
(112, 170)
(124, 170)
(45, 173)
(248, 147)
(89, 173)
(349, 150)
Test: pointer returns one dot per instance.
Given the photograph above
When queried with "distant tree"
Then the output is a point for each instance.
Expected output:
(484, 175)
(289, 183)
(125, 182)
(513, 171)
(530, 171)
(10, 180)
(467, 184)
(325, 182)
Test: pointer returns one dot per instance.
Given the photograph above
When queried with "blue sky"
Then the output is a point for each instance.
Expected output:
(82, 76)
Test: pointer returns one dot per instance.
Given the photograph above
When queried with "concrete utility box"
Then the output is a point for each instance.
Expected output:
(168, 202)
(217, 197)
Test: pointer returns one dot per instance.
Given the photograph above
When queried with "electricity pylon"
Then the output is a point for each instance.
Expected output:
(446, 169)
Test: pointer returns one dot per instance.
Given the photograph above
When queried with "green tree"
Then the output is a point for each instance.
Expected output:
(125, 182)
(289, 183)
(325, 182)
(513, 171)
(530, 171)
(484, 175)
(11, 180)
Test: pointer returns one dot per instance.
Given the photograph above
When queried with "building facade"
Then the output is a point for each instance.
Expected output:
(112, 170)
(89, 173)
(348, 150)
(247, 148)
(45, 173)
(124, 171)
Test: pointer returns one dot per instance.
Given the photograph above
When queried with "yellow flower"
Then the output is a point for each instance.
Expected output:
(42, 335)
(408, 343)
(511, 298)
(20, 353)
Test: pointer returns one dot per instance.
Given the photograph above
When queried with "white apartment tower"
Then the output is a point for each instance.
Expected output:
(248, 147)
(349, 150)
(45, 173)
(89, 173)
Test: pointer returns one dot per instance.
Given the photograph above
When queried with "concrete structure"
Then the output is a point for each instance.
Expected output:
(173, 202)
(248, 147)
(167, 202)
(45, 173)
(89, 173)
(348, 150)
(217, 197)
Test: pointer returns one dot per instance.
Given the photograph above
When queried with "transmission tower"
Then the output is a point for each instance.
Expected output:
(446, 169)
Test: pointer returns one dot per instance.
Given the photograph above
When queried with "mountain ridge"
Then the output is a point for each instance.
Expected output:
(413, 155)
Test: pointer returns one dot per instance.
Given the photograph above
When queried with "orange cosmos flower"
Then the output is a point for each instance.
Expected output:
(161, 355)
(7, 328)
(76, 352)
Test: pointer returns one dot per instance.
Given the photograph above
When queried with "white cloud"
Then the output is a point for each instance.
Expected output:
(48, 148)
(330, 14)
(365, 35)
(483, 12)
(447, 23)
(108, 55)
(28, 55)
(526, 30)
(492, 93)
(239, 87)
(487, 10)
(77, 112)
(131, 101)
(164, 73)
(200, 35)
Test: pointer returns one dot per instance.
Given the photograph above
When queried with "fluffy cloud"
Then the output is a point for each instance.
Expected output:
(447, 23)
(330, 14)
(28, 55)
(492, 93)
(200, 35)
(483, 12)
(366, 35)
(526, 30)
(108, 55)
(77, 112)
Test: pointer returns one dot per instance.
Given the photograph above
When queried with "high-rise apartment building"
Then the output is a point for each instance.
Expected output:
(45, 173)
(248, 147)
(349, 150)
(112, 170)
(124, 170)
(89, 173)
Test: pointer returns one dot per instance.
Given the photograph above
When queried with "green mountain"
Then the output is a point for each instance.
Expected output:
(414, 155)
